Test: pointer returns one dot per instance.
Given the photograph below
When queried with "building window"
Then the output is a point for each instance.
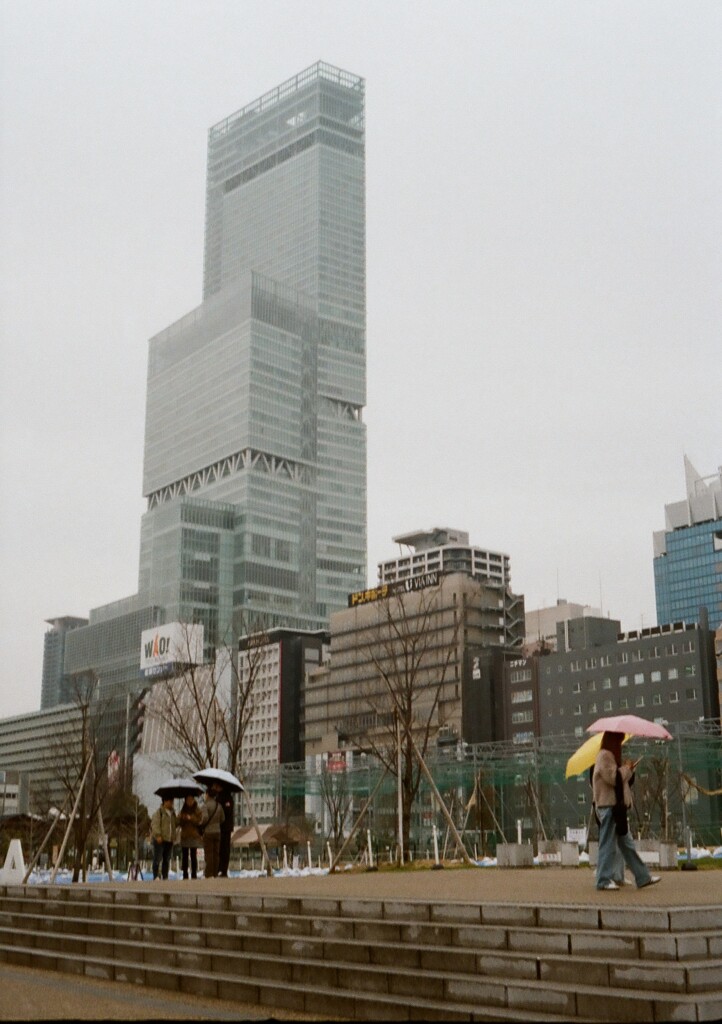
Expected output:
(623, 703)
(577, 709)
(638, 678)
(691, 693)
(672, 673)
(607, 706)
(577, 688)
(592, 708)
(591, 686)
(623, 658)
(521, 696)
(688, 647)
(575, 666)
(522, 716)
(605, 660)
(656, 676)
(606, 683)
(657, 698)
(672, 649)
(690, 670)
(578, 731)
(581, 798)
(673, 697)
(639, 702)
(623, 681)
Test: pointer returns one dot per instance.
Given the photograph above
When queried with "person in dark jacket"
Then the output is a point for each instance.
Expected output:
(189, 818)
(225, 798)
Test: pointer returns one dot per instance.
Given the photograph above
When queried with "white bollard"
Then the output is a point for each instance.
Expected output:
(518, 831)
(370, 849)
(330, 858)
(285, 858)
(436, 844)
(308, 851)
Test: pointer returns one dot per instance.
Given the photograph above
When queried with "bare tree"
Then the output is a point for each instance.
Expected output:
(205, 708)
(412, 644)
(337, 801)
(82, 759)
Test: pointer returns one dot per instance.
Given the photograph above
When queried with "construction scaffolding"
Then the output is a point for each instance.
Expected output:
(501, 792)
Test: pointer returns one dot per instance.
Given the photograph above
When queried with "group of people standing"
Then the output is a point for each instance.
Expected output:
(208, 825)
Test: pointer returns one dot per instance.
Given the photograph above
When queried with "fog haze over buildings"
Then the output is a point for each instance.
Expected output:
(543, 267)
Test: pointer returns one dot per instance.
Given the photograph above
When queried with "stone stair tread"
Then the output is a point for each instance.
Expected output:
(369, 969)
(427, 949)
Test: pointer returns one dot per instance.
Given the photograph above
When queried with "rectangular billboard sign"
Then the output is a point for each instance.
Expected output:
(166, 647)
(407, 586)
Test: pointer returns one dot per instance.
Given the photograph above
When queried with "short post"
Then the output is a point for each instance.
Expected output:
(437, 863)
(308, 854)
(372, 866)
(330, 858)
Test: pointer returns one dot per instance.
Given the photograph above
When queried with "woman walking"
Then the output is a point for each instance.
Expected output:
(613, 798)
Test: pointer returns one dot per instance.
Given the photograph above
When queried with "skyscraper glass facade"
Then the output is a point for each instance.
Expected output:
(688, 554)
(255, 399)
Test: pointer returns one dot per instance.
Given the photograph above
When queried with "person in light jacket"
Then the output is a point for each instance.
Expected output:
(211, 821)
(613, 798)
(162, 829)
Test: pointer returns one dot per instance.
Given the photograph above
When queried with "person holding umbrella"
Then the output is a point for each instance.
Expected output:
(225, 798)
(190, 817)
(162, 829)
(613, 798)
(211, 822)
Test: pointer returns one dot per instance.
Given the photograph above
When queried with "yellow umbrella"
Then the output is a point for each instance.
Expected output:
(586, 755)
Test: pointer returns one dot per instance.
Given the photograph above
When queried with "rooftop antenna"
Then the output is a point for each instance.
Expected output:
(601, 601)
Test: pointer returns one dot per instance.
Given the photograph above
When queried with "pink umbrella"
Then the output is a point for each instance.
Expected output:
(632, 725)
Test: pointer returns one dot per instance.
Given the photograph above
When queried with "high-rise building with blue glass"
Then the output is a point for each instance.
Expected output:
(255, 446)
(688, 553)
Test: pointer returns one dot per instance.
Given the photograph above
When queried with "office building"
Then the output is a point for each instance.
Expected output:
(541, 623)
(442, 550)
(446, 635)
(272, 669)
(255, 446)
(54, 690)
(688, 553)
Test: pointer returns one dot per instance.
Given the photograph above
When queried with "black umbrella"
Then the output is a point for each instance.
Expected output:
(210, 775)
(178, 788)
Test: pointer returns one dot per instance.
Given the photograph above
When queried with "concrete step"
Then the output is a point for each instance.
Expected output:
(380, 959)
(123, 938)
(554, 989)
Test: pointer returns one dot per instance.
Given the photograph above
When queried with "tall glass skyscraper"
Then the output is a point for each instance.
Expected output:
(255, 446)
(688, 553)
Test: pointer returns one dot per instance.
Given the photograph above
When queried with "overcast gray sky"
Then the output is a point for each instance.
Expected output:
(544, 267)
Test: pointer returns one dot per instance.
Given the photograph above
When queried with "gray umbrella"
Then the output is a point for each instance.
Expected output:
(178, 788)
(210, 775)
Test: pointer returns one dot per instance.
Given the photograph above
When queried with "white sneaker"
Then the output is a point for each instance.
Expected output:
(610, 885)
(653, 879)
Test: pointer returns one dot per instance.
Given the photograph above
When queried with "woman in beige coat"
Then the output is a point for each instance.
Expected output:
(613, 798)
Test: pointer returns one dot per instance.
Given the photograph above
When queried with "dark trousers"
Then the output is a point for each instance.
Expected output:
(224, 854)
(185, 850)
(161, 858)
(211, 850)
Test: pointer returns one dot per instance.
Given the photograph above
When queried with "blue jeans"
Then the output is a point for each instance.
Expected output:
(161, 856)
(616, 851)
